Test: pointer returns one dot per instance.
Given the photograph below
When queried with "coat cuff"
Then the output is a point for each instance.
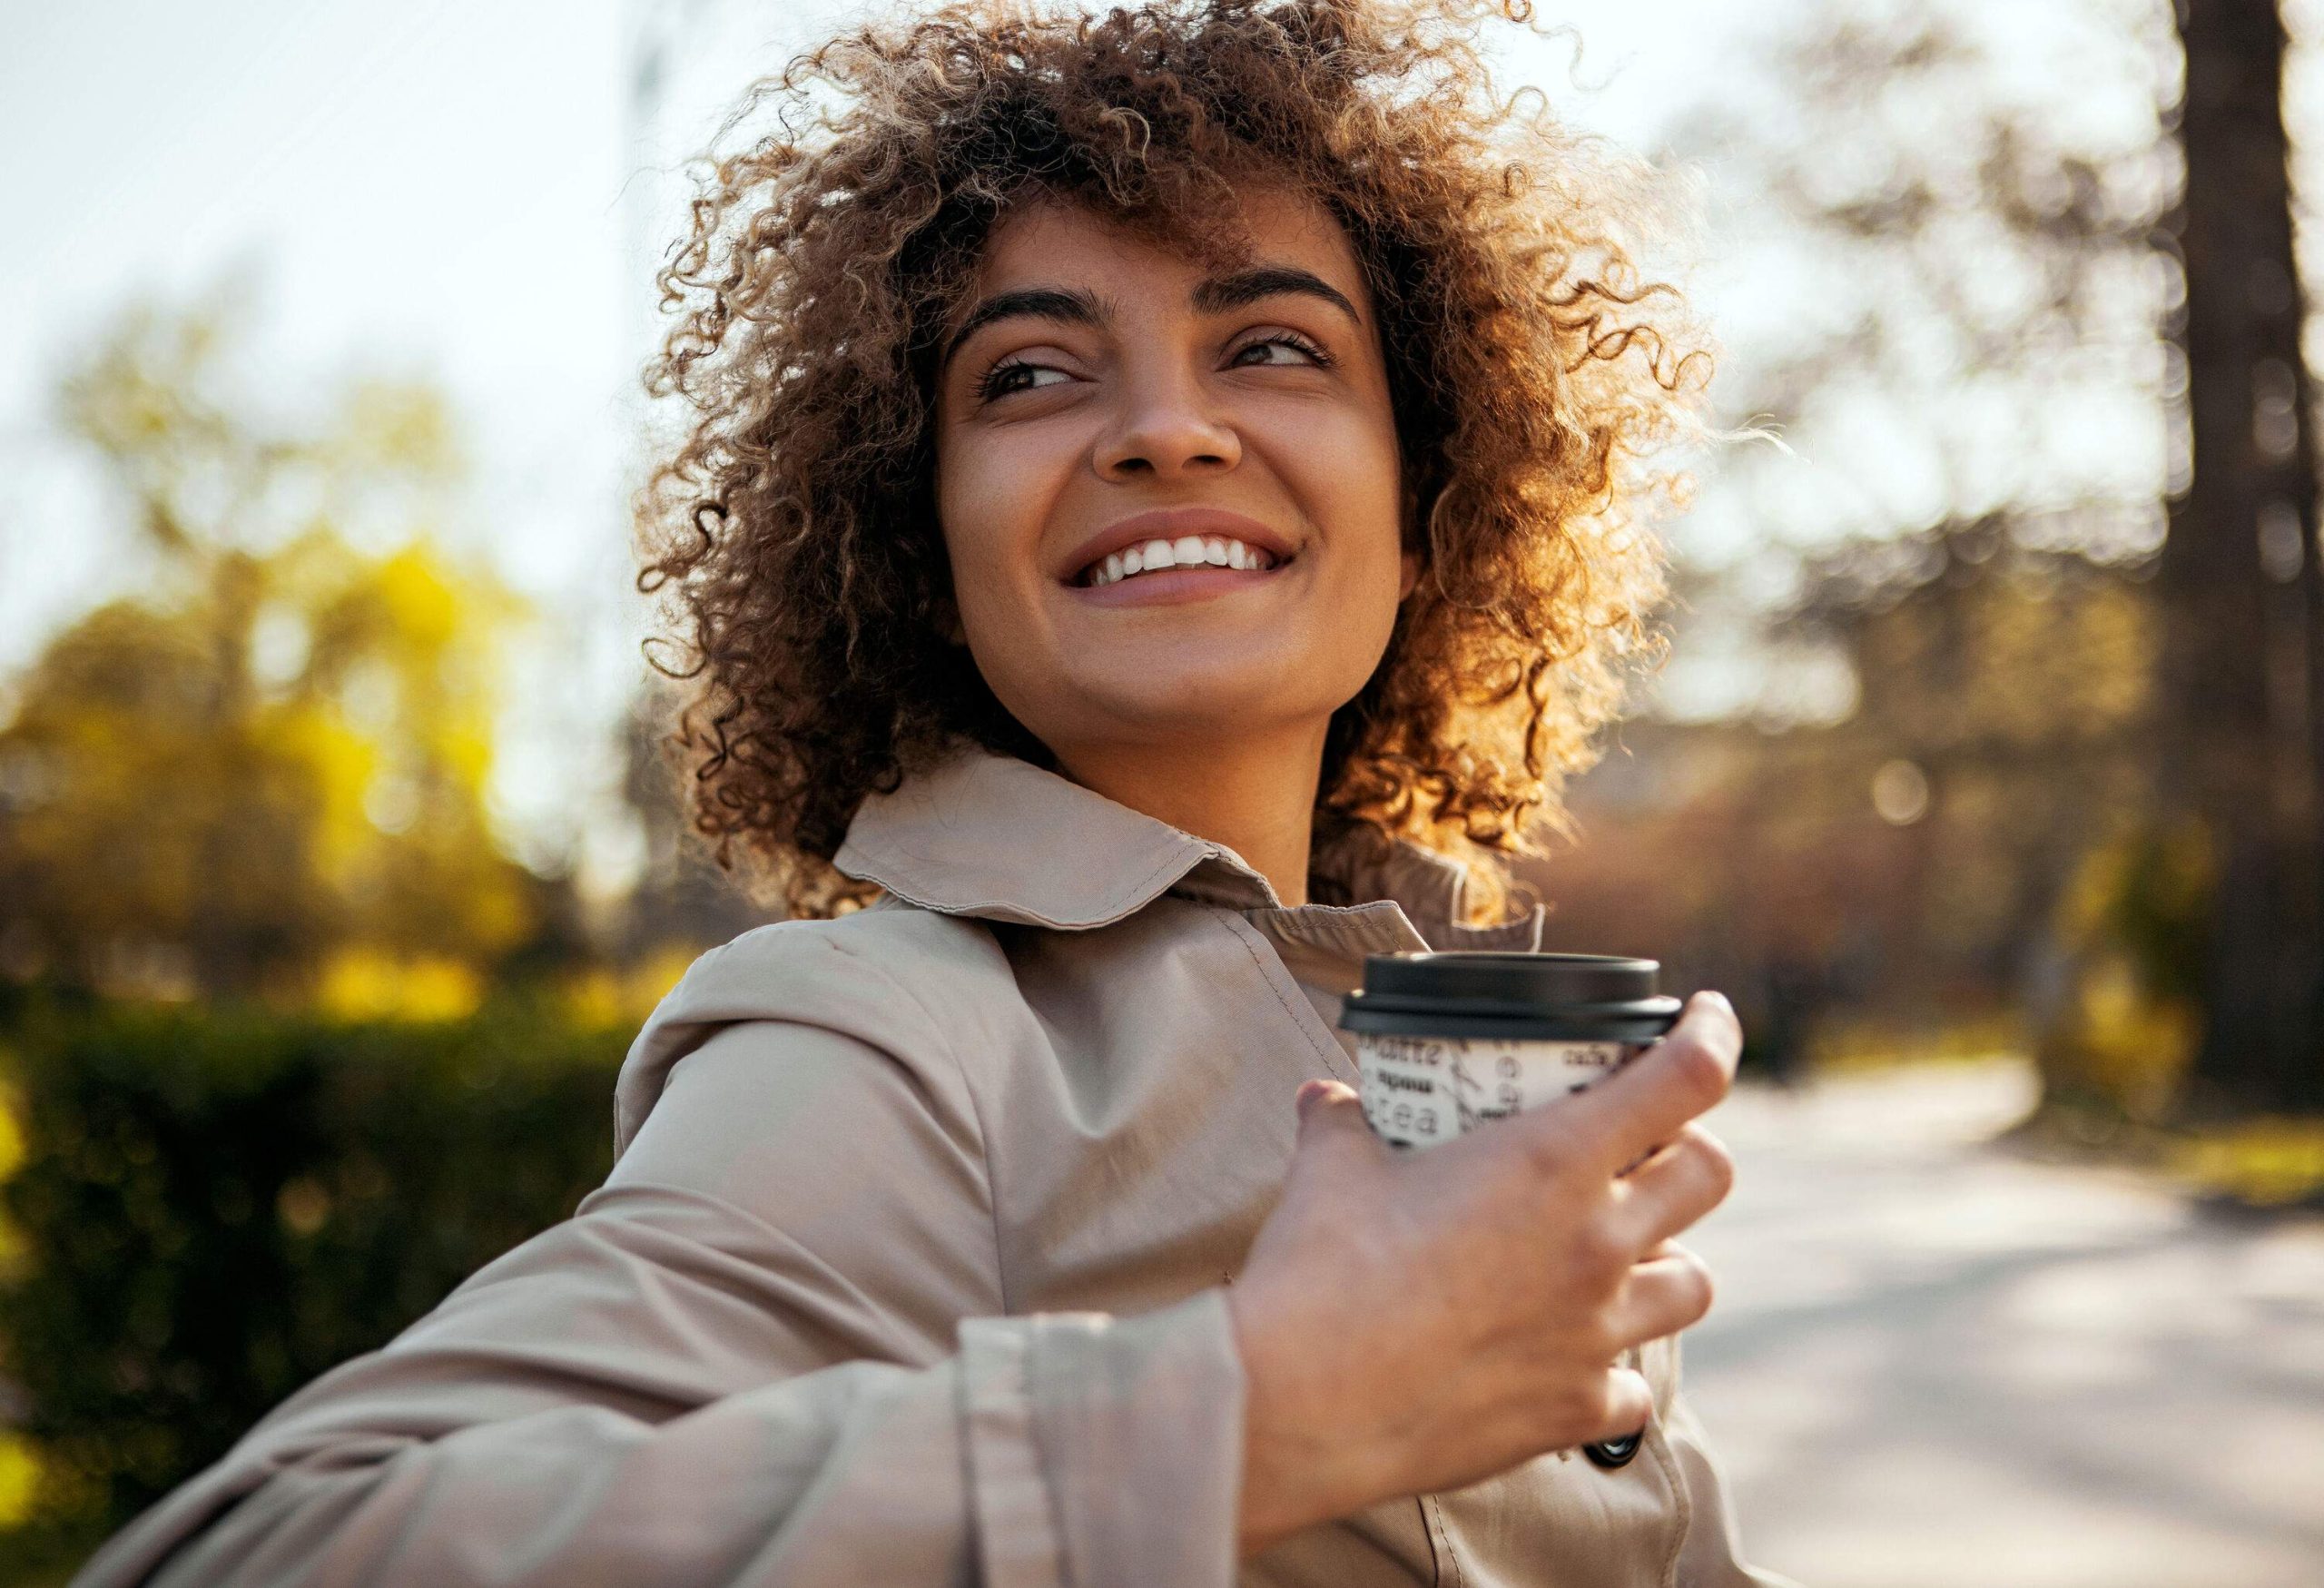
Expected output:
(1103, 1449)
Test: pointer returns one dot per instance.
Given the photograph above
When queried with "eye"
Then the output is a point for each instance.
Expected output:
(1290, 340)
(1003, 377)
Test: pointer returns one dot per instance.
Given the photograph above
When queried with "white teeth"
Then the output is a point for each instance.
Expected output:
(1186, 551)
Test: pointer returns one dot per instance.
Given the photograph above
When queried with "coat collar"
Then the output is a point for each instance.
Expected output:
(993, 837)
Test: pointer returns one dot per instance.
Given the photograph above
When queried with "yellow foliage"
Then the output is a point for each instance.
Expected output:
(420, 606)
(2176, 861)
(2267, 1161)
(19, 1479)
(279, 750)
(362, 983)
(399, 425)
(2132, 916)
(1843, 1043)
(2131, 1046)
(605, 998)
(593, 998)
(343, 763)
(652, 980)
(11, 1158)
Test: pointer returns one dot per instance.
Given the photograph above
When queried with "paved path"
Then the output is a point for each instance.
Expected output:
(1932, 1363)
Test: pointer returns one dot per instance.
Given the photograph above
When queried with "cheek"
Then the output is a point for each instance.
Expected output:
(971, 505)
(991, 499)
(958, 488)
(1353, 481)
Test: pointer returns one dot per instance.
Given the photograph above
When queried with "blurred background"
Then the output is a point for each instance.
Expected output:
(1986, 776)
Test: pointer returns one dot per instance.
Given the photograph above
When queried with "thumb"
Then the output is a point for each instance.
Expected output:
(1328, 1108)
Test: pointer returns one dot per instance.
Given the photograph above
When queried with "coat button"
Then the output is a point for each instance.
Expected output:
(1613, 1452)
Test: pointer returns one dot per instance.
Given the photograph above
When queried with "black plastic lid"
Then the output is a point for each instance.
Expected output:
(1470, 993)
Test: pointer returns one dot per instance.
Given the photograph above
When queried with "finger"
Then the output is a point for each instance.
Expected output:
(1630, 1404)
(1661, 1296)
(1643, 1104)
(1673, 1188)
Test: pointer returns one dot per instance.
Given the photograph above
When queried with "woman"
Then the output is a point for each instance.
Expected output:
(1155, 530)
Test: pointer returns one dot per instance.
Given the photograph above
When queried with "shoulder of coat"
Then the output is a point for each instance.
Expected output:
(892, 933)
(926, 990)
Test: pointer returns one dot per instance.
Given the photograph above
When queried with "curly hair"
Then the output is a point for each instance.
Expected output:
(1534, 379)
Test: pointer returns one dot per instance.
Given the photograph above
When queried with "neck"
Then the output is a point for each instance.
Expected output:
(1256, 796)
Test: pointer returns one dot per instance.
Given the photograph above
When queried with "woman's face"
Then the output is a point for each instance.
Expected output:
(1103, 398)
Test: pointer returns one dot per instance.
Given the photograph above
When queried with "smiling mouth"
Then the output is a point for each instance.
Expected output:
(1187, 551)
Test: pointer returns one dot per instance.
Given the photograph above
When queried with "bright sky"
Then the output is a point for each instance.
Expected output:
(458, 188)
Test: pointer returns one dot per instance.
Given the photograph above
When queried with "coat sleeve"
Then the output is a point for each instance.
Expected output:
(772, 1348)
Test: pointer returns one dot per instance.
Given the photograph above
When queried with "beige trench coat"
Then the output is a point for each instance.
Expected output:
(911, 1267)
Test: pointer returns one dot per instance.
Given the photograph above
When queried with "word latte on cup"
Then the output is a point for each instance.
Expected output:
(1447, 1042)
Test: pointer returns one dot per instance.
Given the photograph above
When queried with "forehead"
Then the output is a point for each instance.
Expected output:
(1051, 239)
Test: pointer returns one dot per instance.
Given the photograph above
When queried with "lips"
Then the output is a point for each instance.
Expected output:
(1172, 525)
(1174, 586)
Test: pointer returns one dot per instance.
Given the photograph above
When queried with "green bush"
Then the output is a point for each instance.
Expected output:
(214, 1206)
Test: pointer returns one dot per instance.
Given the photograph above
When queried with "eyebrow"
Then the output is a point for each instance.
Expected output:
(1071, 306)
(1222, 293)
(1075, 306)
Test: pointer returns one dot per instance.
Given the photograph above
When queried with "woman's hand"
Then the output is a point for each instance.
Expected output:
(1414, 1322)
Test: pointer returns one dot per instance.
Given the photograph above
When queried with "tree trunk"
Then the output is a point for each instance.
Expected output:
(2237, 578)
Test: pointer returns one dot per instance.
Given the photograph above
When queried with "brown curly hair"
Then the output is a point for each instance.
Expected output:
(1534, 376)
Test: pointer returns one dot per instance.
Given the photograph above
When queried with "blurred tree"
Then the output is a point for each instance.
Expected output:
(2047, 320)
(267, 769)
(1906, 864)
(1971, 369)
(2239, 579)
(1976, 281)
(2004, 696)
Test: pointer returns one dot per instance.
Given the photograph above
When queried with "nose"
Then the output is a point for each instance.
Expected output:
(1166, 427)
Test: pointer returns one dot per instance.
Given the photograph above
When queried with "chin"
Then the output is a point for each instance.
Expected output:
(1202, 704)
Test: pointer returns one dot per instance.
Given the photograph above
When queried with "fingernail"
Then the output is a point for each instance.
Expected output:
(1309, 1090)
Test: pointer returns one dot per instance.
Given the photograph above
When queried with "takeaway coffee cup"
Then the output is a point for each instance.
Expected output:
(1447, 1042)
